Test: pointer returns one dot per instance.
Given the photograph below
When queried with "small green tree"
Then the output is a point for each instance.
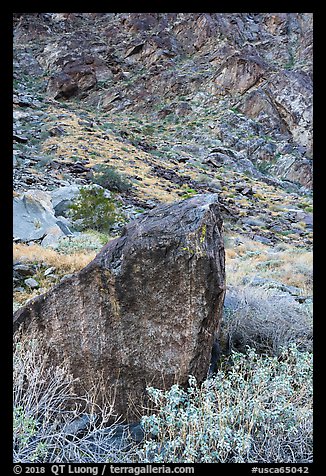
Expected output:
(93, 210)
(110, 178)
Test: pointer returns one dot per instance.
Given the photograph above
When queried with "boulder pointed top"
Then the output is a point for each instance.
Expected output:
(164, 224)
(145, 311)
(169, 217)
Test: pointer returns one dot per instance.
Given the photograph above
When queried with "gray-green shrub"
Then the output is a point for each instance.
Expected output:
(90, 240)
(255, 409)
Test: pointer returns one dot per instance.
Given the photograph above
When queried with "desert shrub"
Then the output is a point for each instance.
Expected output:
(266, 320)
(88, 241)
(255, 409)
(188, 192)
(264, 166)
(110, 178)
(92, 209)
(46, 414)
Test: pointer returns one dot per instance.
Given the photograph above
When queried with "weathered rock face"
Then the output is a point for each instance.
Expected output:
(76, 77)
(291, 92)
(145, 310)
(294, 169)
(238, 74)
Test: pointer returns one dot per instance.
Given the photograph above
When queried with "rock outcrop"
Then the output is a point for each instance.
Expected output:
(145, 310)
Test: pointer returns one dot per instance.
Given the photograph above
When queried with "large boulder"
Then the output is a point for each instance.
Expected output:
(34, 218)
(63, 197)
(145, 310)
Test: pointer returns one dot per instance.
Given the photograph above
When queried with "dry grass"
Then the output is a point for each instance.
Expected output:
(99, 147)
(37, 253)
(63, 264)
(265, 315)
(21, 298)
(286, 264)
(297, 269)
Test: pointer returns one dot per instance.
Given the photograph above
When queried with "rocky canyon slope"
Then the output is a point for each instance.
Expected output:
(247, 77)
(179, 103)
